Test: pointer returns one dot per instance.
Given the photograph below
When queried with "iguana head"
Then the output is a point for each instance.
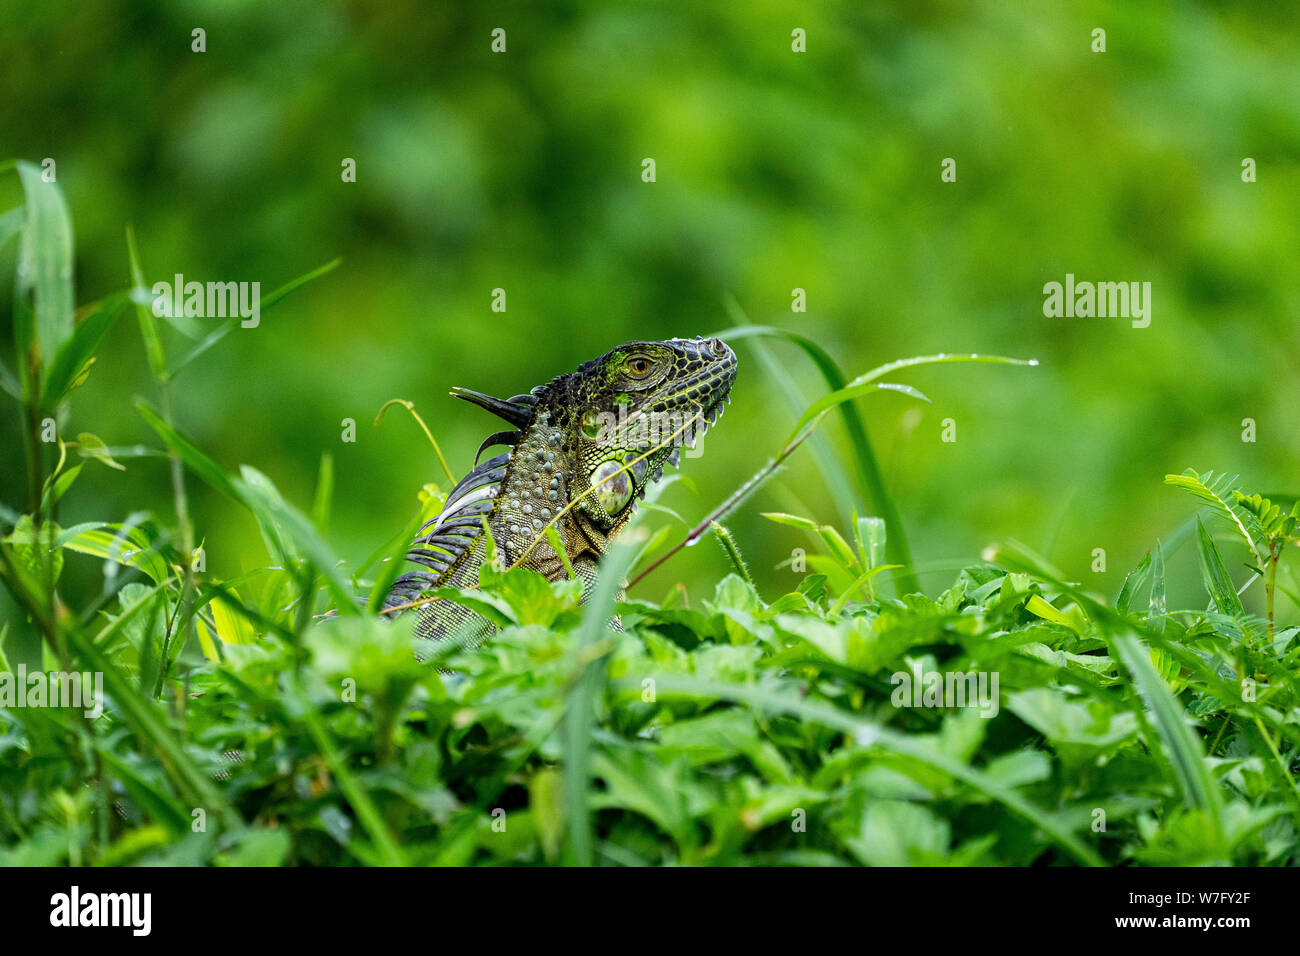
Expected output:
(622, 416)
(626, 413)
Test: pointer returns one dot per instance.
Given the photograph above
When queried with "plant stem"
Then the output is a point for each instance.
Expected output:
(1274, 555)
(733, 552)
(739, 495)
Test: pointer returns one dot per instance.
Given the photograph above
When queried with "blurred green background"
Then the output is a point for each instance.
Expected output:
(776, 170)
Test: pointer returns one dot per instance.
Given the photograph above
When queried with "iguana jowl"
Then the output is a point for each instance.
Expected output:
(595, 438)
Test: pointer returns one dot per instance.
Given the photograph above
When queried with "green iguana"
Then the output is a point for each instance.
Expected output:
(595, 438)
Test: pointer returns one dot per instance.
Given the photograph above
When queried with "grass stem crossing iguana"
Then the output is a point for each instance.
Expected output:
(582, 450)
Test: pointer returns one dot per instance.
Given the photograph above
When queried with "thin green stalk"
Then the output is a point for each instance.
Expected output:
(733, 552)
(1270, 585)
(734, 499)
(180, 499)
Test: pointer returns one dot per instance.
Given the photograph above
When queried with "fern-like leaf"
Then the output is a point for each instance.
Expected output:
(1273, 521)
(1219, 493)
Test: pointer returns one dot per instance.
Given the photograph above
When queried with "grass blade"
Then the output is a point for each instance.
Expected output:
(1181, 745)
(579, 717)
(1217, 581)
(869, 473)
(45, 262)
(80, 347)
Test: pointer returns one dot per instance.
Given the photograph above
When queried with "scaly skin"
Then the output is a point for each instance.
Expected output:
(598, 437)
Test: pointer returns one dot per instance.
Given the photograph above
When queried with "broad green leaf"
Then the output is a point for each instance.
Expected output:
(126, 545)
(53, 492)
(899, 833)
(45, 265)
(1077, 722)
(232, 627)
(1036, 605)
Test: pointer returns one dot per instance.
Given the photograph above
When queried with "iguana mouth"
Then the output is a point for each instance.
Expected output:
(708, 418)
(715, 380)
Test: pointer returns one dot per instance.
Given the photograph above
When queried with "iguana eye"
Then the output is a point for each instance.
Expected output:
(638, 366)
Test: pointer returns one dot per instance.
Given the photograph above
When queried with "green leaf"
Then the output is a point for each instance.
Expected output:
(1181, 745)
(1217, 492)
(388, 849)
(60, 486)
(1087, 723)
(873, 482)
(1036, 605)
(868, 733)
(265, 501)
(125, 544)
(1273, 521)
(268, 300)
(639, 782)
(37, 552)
(194, 459)
(546, 800)
(321, 504)
(899, 833)
(391, 566)
(793, 521)
(232, 627)
(147, 718)
(1157, 606)
(863, 383)
(11, 223)
(579, 717)
(259, 847)
(78, 351)
(1133, 582)
(143, 300)
(813, 414)
(1217, 581)
(92, 446)
(152, 798)
(44, 266)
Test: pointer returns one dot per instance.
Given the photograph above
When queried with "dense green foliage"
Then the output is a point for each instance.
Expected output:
(776, 170)
(241, 728)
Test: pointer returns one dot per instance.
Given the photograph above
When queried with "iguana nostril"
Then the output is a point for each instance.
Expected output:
(717, 347)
